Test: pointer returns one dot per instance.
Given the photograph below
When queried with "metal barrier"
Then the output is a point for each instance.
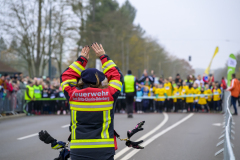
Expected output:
(12, 103)
(227, 132)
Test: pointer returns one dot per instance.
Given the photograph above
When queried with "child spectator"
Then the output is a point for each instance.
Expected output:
(196, 92)
(177, 101)
(168, 101)
(139, 100)
(190, 99)
(216, 98)
(160, 92)
(209, 98)
(202, 100)
(145, 101)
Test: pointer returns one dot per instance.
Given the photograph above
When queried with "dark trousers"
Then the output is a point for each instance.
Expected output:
(145, 103)
(159, 106)
(138, 106)
(129, 102)
(190, 105)
(205, 106)
(30, 106)
(233, 101)
(168, 104)
(216, 105)
(210, 104)
(178, 105)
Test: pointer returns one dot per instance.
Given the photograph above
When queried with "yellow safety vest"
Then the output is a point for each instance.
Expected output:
(129, 83)
(30, 92)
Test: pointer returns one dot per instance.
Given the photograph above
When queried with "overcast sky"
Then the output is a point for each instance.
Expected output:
(192, 27)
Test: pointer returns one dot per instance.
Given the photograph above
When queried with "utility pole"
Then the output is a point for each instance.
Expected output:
(50, 39)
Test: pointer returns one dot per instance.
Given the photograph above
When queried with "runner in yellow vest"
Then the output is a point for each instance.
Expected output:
(202, 99)
(130, 89)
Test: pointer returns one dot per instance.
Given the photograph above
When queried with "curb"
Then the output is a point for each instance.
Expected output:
(13, 116)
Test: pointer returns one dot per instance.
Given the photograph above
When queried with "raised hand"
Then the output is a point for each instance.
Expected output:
(85, 52)
(98, 49)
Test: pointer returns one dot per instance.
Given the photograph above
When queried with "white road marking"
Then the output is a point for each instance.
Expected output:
(29, 136)
(120, 153)
(217, 124)
(65, 126)
(132, 153)
(36, 134)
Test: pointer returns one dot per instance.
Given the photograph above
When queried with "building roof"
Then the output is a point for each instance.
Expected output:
(5, 68)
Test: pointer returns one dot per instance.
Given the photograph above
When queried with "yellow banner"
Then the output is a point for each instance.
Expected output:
(209, 66)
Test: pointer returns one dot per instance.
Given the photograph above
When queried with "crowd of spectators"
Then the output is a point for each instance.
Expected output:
(189, 94)
(15, 87)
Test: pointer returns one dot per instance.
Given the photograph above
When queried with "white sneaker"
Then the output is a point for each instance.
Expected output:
(58, 112)
(64, 112)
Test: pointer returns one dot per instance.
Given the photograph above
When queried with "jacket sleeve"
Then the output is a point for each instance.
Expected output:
(232, 85)
(113, 74)
(71, 76)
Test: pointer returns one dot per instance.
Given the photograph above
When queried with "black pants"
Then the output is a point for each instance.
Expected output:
(178, 105)
(138, 106)
(169, 104)
(129, 102)
(30, 107)
(190, 105)
(210, 104)
(159, 106)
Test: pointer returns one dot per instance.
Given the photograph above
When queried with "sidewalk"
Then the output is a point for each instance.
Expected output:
(13, 116)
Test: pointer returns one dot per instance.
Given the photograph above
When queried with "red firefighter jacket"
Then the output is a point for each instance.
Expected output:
(92, 110)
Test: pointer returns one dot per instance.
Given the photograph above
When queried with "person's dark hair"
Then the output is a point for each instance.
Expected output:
(190, 85)
(129, 72)
(233, 75)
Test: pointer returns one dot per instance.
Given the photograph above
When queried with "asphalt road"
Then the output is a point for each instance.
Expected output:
(171, 136)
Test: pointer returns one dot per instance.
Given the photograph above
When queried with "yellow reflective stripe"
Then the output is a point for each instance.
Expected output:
(106, 63)
(91, 103)
(103, 125)
(74, 123)
(92, 140)
(92, 146)
(113, 65)
(67, 82)
(57, 146)
(91, 109)
(92, 143)
(72, 130)
(77, 67)
(106, 124)
(109, 122)
(116, 84)
(75, 120)
(63, 87)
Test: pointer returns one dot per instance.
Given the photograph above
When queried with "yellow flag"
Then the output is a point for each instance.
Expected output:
(209, 66)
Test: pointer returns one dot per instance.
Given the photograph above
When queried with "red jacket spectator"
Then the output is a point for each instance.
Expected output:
(224, 85)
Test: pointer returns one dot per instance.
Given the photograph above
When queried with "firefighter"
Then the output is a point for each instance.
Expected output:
(92, 105)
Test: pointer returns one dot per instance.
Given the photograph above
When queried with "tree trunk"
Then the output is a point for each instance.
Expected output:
(38, 57)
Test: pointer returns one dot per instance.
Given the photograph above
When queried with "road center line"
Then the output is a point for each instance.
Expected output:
(132, 153)
(65, 126)
(123, 151)
(31, 135)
